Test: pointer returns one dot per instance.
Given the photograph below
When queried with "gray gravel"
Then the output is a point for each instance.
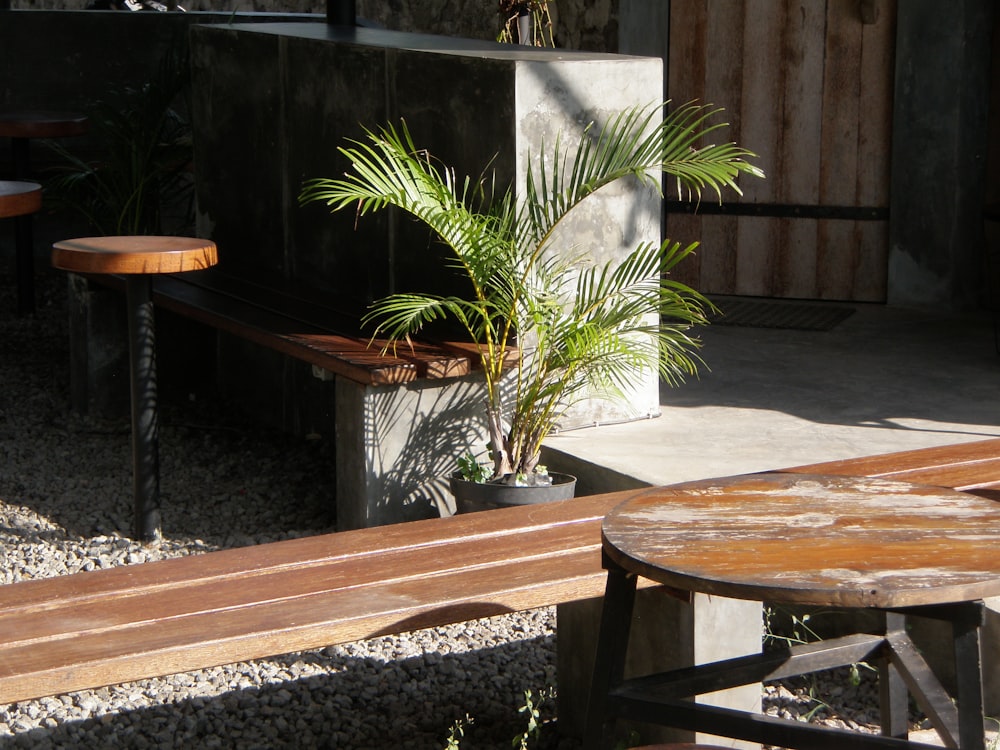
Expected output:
(65, 494)
(65, 489)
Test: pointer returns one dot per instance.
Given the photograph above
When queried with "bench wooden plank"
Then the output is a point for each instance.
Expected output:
(965, 466)
(123, 624)
(110, 626)
(263, 327)
(310, 319)
(300, 329)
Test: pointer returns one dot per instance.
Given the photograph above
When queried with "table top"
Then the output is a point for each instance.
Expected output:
(134, 254)
(42, 124)
(810, 539)
(18, 198)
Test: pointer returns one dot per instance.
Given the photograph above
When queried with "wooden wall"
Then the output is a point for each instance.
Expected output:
(807, 85)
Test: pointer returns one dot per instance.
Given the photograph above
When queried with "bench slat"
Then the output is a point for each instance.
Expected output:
(233, 636)
(276, 332)
(509, 525)
(163, 646)
(977, 456)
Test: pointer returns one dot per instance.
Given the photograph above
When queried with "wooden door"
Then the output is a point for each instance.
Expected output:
(807, 85)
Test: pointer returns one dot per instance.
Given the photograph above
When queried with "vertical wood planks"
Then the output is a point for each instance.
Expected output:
(808, 87)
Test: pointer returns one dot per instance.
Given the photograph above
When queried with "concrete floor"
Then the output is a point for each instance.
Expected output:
(884, 379)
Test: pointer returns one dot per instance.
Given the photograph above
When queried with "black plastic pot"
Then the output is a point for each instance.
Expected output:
(474, 496)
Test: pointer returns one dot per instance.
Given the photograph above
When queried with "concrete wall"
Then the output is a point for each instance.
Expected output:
(471, 104)
(939, 154)
(69, 60)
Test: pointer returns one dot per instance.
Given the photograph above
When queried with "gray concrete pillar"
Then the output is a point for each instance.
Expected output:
(98, 342)
(666, 634)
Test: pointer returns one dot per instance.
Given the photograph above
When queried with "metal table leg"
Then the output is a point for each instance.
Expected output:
(612, 647)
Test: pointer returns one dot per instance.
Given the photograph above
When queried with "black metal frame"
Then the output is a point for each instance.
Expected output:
(341, 12)
(665, 698)
(24, 241)
(780, 210)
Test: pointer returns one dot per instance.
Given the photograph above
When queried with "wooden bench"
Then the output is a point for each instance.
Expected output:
(104, 627)
(382, 404)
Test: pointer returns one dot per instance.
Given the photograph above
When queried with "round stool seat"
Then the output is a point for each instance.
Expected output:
(19, 198)
(681, 746)
(133, 255)
(42, 124)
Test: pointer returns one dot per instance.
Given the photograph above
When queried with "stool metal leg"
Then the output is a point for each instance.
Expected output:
(19, 156)
(609, 661)
(24, 245)
(145, 431)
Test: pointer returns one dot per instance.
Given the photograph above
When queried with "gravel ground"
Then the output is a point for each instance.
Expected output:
(65, 495)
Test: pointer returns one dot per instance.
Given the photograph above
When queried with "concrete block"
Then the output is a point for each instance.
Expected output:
(98, 344)
(666, 634)
(396, 445)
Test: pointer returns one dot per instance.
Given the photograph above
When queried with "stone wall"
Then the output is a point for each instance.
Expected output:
(580, 24)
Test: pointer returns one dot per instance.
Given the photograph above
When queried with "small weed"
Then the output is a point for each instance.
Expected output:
(457, 731)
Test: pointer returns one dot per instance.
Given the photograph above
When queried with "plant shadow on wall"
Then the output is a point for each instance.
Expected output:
(559, 325)
(430, 421)
(141, 181)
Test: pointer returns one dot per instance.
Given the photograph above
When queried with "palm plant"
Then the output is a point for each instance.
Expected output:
(574, 328)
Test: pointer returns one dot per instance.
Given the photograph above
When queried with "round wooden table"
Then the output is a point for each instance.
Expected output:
(138, 259)
(845, 542)
(19, 200)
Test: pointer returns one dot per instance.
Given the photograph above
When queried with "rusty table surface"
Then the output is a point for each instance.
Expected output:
(810, 539)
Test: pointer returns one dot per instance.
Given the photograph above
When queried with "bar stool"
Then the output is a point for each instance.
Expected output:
(21, 127)
(19, 200)
(138, 259)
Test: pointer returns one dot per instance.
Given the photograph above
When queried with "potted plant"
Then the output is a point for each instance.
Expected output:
(526, 22)
(551, 327)
(143, 182)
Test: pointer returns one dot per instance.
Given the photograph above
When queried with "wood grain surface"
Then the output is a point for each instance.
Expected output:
(812, 539)
(133, 254)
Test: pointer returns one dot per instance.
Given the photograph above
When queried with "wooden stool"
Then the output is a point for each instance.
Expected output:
(20, 200)
(21, 127)
(681, 746)
(138, 258)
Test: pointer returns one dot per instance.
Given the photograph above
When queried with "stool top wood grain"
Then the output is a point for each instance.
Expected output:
(134, 254)
(812, 539)
(42, 124)
(18, 198)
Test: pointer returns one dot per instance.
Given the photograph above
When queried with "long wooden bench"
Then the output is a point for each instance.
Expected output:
(370, 390)
(104, 627)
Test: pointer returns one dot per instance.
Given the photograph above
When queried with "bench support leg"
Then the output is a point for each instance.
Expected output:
(396, 444)
(145, 430)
